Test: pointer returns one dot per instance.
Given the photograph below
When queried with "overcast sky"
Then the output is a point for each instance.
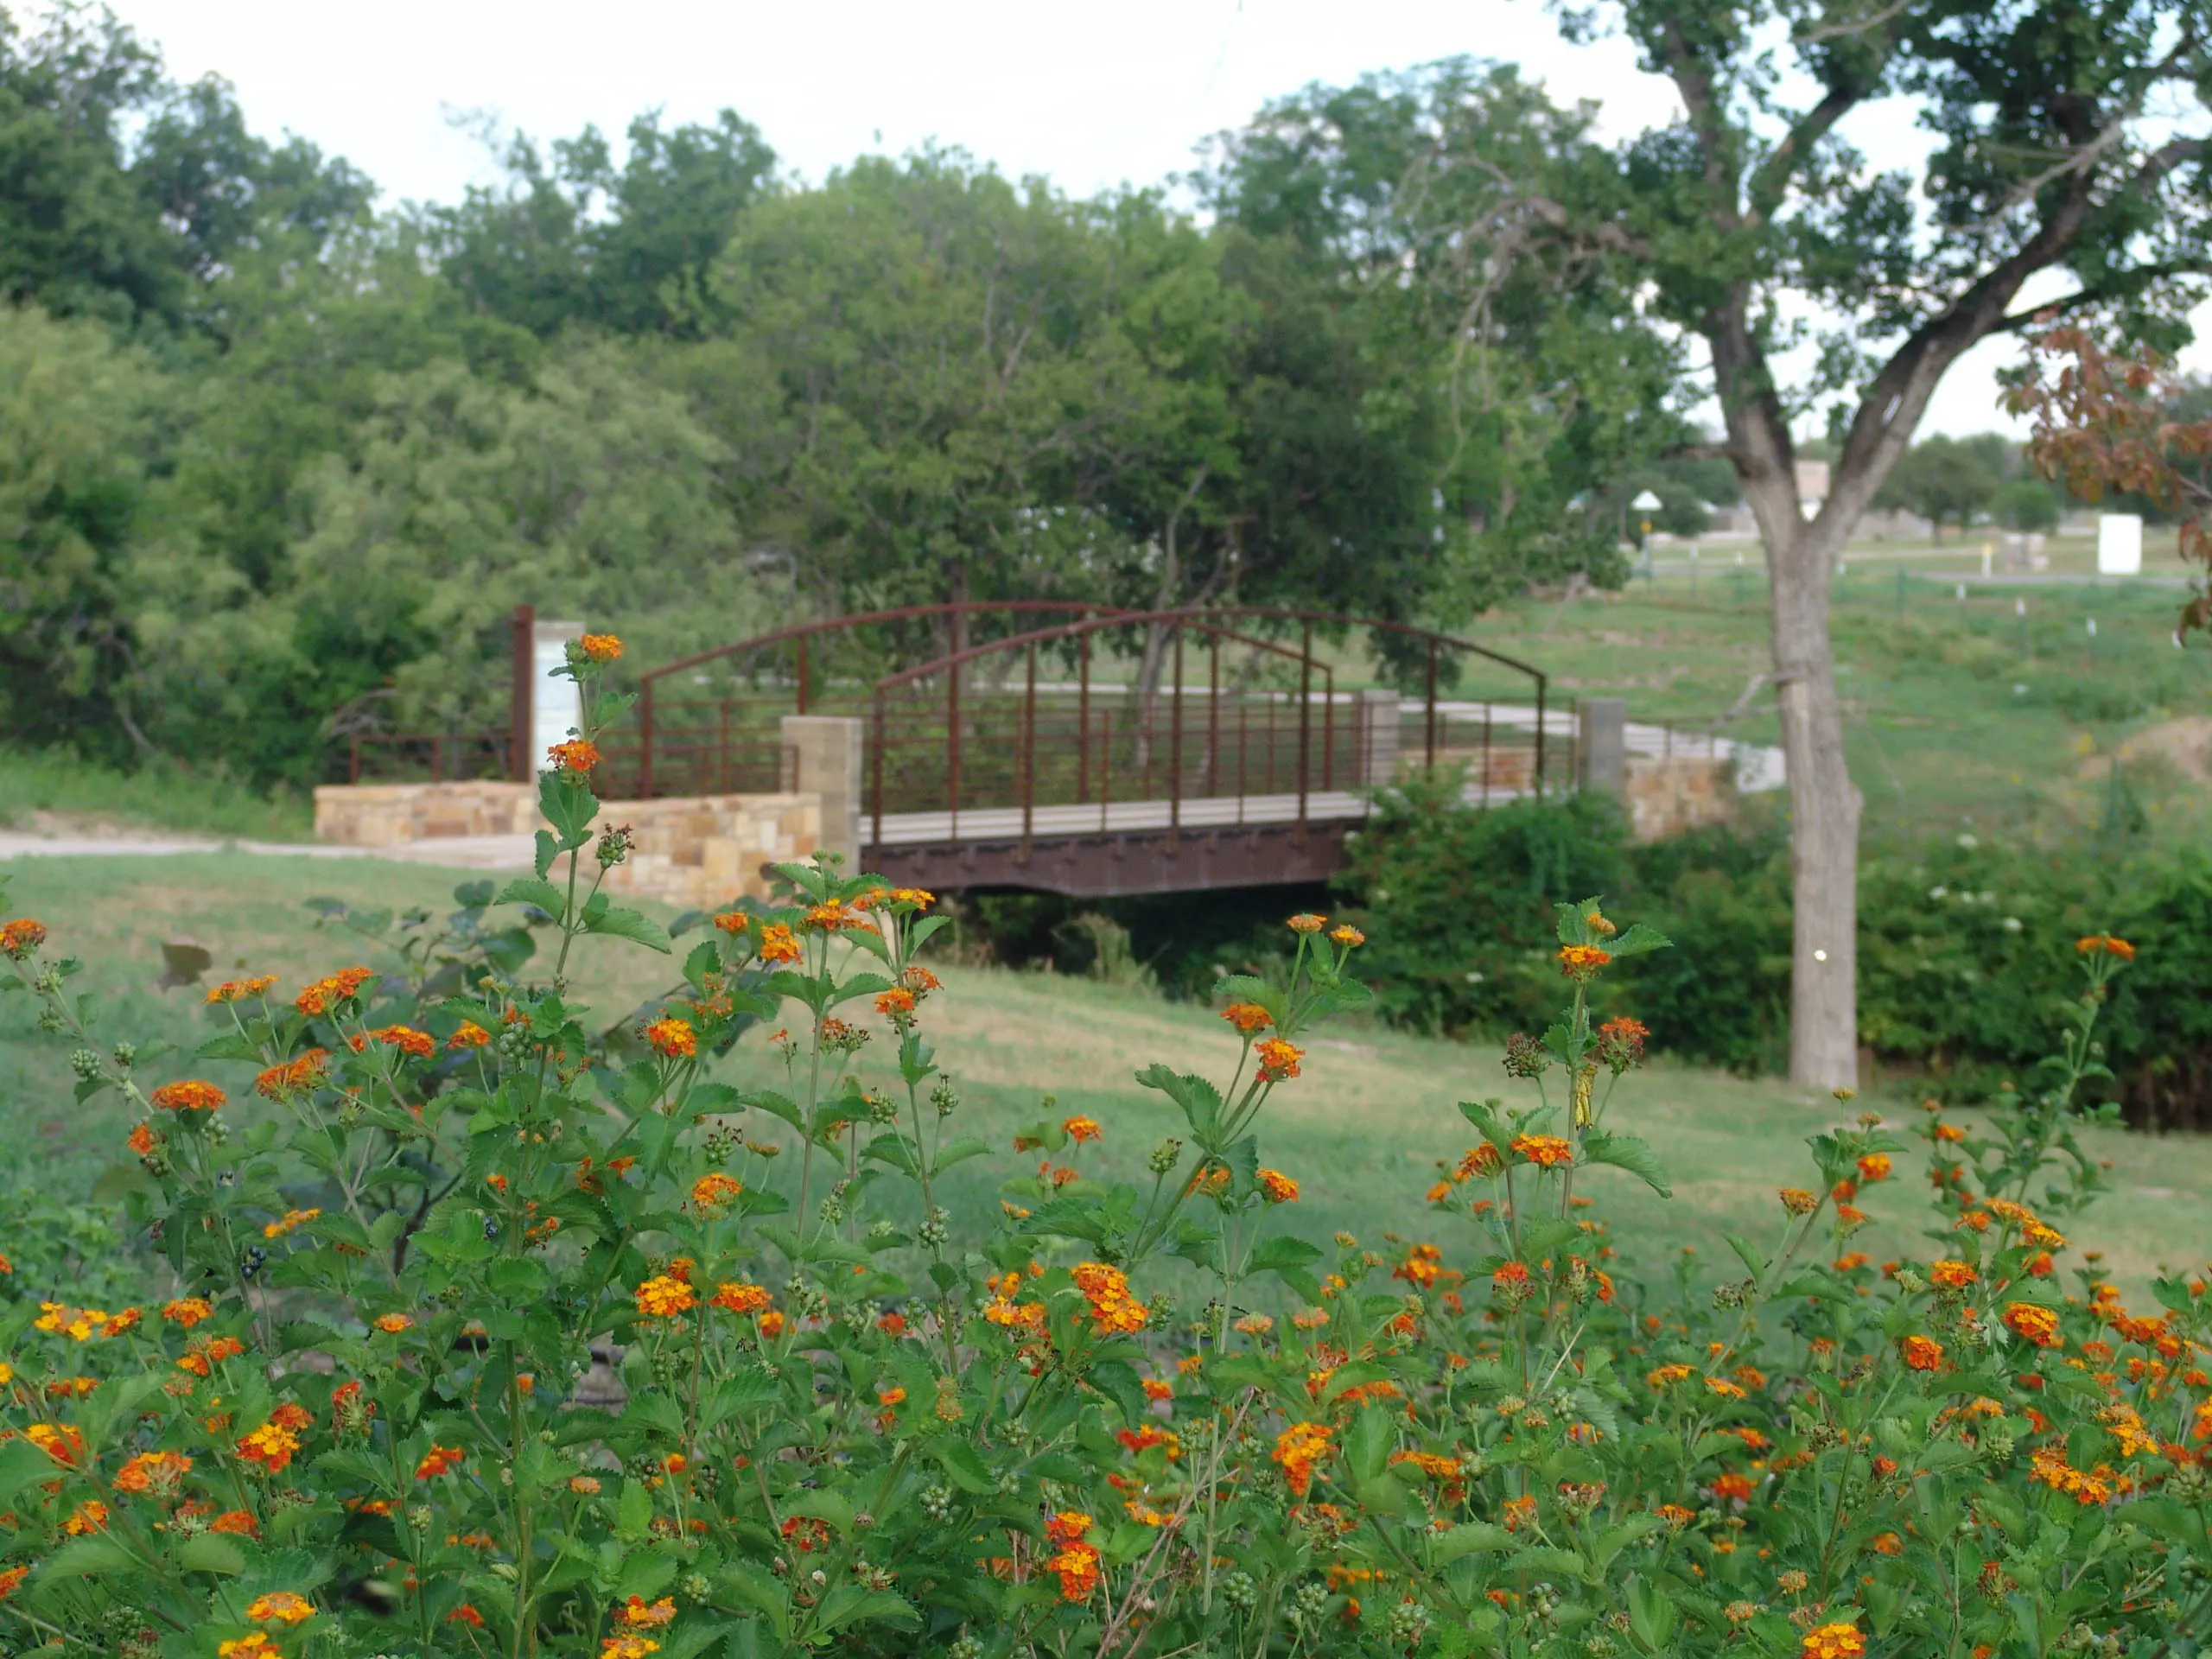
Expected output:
(1090, 96)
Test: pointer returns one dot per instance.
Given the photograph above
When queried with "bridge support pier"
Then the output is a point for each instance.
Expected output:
(829, 751)
(1378, 739)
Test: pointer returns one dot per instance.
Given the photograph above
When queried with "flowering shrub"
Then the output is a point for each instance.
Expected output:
(463, 1330)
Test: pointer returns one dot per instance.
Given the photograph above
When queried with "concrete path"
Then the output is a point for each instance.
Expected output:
(497, 853)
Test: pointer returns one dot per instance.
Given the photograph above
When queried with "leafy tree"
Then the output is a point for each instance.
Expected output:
(1945, 481)
(1542, 385)
(2124, 425)
(77, 415)
(2028, 504)
(590, 489)
(570, 237)
(2066, 139)
(290, 363)
(945, 385)
(121, 194)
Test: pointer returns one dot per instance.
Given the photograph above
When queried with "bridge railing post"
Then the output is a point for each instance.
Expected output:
(1243, 748)
(952, 746)
(1540, 735)
(876, 763)
(1029, 753)
(1082, 720)
(522, 764)
(1305, 720)
(1213, 714)
(1486, 732)
(1430, 716)
(1328, 729)
(1175, 748)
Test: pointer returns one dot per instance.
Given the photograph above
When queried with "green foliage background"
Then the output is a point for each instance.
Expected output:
(1966, 943)
(279, 461)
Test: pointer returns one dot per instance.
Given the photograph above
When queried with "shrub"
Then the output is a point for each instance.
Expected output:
(477, 1335)
(1459, 900)
(1964, 953)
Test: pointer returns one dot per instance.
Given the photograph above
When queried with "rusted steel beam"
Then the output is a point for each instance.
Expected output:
(1099, 867)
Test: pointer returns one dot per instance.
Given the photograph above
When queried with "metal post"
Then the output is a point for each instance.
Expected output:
(722, 765)
(1486, 729)
(437, 759)
(1432, 707)
(1539, 732)
(1105, 767)
(352, 760)
(1029, 751)
(1271, 744)
(952, 745)
(646, 744)
(1175, 748)
(878, 767)
(1304, 720)
(521, 767)
(801, 643)
(1244, 747)
(1213, 715)
(1329, 732)
(1082, 720)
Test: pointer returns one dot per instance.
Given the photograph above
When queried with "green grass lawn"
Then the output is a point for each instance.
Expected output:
(39, 786)
(1957, 712)
(1361, 1130)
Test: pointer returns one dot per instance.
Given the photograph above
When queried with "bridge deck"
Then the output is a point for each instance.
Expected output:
(1120, 818)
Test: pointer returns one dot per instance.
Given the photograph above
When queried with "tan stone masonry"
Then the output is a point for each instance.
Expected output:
(396, 815)
(696, 851)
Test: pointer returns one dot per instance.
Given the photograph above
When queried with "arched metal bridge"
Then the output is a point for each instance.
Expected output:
(1093, 750)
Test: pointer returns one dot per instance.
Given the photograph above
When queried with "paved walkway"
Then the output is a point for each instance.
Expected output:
(454, 852)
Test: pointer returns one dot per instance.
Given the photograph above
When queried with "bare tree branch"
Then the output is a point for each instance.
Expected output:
(2134, 277)
(1852, 26)
(1768, 182)
(2084, 157)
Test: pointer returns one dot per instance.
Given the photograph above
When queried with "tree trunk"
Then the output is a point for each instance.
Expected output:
(1825, 807)
(1824, 803)
(1167, 595)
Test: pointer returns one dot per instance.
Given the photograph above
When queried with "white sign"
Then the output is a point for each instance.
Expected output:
(556, 705)
(2120, 545)
(1647, 502)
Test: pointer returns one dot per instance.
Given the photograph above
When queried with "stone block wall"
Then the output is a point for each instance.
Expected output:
(690, 852)
(1667, 796)
(398, 814)
(704, 850)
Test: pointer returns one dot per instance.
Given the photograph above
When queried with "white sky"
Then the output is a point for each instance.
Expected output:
(1091, 95)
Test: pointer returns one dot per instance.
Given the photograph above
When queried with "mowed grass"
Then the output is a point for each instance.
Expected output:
(38, 787)
(1361, 1130)
(1958, 713)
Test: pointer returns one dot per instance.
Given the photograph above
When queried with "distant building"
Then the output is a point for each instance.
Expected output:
(1812, 485)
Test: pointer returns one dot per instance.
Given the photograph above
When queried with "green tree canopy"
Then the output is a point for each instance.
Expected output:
(76, 431)
(122, 194)
(1541, 377)
(590, 488)
(571, 238)
(1945, 481)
